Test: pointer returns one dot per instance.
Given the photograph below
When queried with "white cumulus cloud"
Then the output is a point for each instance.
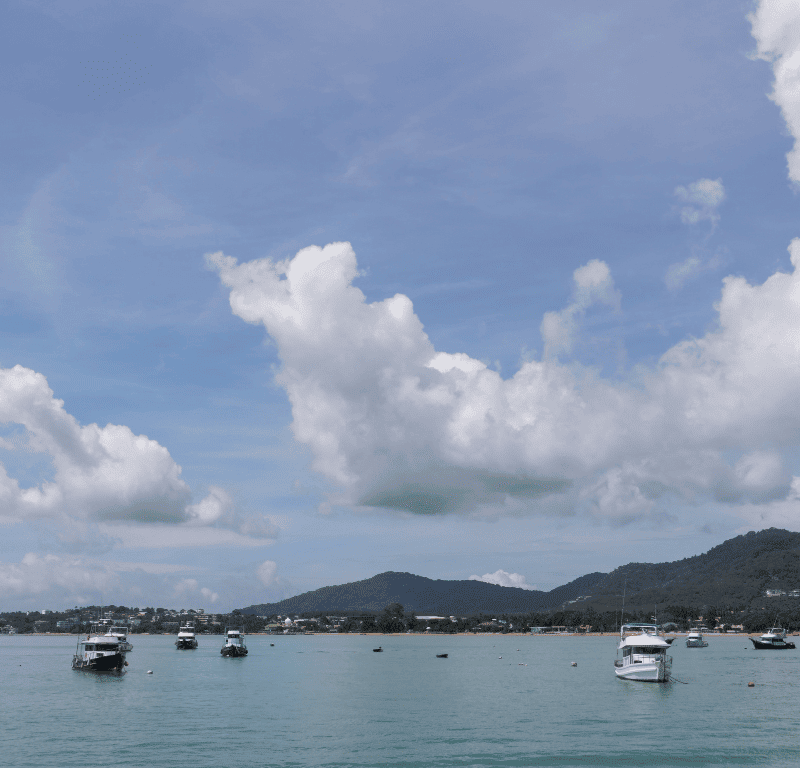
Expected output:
(395, 423)
(504, 579)
(99, 474)
(776, 28)
(104, 472)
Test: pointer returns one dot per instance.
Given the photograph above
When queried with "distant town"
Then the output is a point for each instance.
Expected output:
(393, 619)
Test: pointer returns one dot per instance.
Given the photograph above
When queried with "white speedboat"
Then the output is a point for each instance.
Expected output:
(774, 640)
(187, 640)
(234, 644)
(695, 639)
(100, 652)
(642, 654)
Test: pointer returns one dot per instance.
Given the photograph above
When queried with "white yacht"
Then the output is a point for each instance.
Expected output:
(187, 640)
(695, 638)
(101, 651)
(774, 640)
(234, 643)
(121, 633)
(643, 654)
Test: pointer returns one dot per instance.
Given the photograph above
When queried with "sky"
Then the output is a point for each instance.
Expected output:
(292, 294)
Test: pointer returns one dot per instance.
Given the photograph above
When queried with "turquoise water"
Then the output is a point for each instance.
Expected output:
(330, 701)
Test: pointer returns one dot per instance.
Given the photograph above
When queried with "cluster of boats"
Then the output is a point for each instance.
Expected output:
(641, 653)
(644, 649)
(105, 647)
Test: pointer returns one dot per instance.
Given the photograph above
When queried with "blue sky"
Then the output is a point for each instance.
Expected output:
(563, 335)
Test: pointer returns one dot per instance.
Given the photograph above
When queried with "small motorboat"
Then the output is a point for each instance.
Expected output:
(774, 640)
(234, 644)
(379, 649)
(441, 655)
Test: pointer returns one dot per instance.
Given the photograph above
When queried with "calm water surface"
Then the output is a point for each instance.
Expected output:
(331, 701)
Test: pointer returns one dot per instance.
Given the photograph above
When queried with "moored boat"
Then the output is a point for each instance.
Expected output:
(695, 639)
(187, 640)
(100, 652)
(644, 654)
(121, 633)
(774, 640)
(234, 644)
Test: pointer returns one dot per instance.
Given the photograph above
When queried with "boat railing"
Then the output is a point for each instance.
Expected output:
(637, 629)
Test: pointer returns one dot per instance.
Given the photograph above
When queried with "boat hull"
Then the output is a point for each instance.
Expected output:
(232, 652)
(696, 644)
(186, 645)
(656, 672)
(759, 645)
(110, 663)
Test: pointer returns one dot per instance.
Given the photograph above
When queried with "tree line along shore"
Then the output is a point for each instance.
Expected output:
(394, 619)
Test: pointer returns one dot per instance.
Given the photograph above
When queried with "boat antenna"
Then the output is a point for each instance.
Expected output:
(622, 613)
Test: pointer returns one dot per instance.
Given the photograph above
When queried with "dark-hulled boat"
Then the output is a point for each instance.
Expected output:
(774, 640)
(101, 652)
(234, 644)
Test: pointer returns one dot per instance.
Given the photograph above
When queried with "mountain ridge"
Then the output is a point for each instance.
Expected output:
(738, 571)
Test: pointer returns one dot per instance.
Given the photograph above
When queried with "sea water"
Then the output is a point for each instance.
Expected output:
(331, 701)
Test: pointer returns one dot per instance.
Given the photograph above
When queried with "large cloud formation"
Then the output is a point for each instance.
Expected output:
(776, 28)
(99, 474)
(396, 424)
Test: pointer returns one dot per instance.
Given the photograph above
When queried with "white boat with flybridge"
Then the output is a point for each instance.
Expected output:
(101, 651)
(121, 633)
(234, 644)
(642, 654)
(695, 638)
(187, 640)
(774, 640)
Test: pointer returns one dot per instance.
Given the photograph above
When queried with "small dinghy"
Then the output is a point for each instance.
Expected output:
(441, 655)
(379, 649)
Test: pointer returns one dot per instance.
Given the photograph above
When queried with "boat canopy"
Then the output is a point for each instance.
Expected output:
(644, 639)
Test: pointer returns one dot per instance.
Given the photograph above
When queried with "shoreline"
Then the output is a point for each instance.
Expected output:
(715, 635)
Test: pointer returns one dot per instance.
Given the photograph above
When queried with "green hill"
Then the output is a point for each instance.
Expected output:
(736, 573)
(425, 596)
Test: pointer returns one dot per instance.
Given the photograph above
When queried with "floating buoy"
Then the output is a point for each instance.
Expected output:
(149, 671)
(751, 684)
(574, 664)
